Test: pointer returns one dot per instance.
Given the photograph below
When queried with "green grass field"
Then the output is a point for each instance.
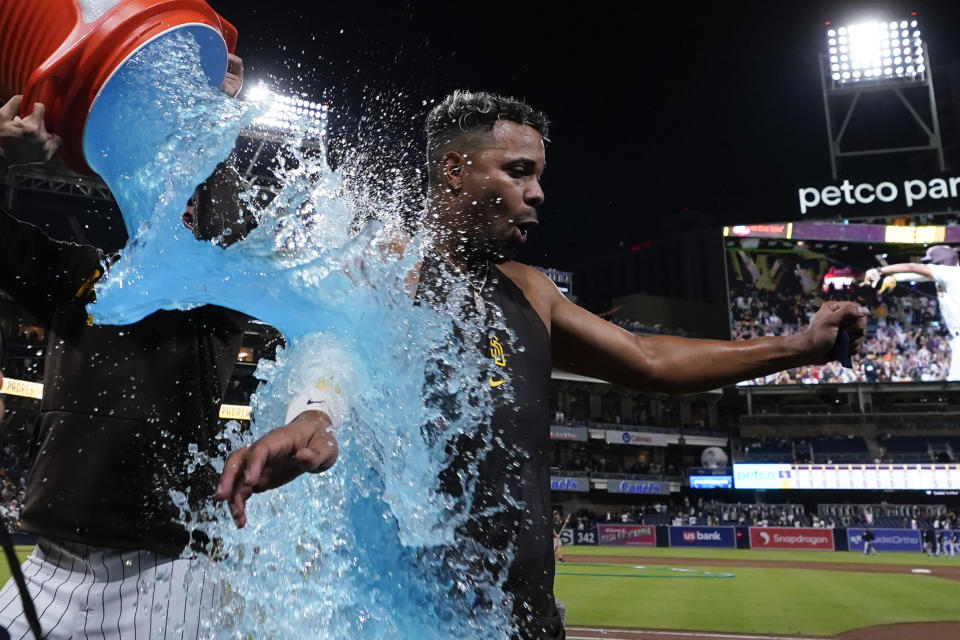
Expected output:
(754, 600)
(22, 553)
(745, 600)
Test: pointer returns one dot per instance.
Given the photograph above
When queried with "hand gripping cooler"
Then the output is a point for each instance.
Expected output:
(50, 55)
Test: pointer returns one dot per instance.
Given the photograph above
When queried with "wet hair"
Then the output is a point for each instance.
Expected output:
(467, 112)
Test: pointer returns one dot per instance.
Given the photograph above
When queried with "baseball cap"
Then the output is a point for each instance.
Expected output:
(940, 254)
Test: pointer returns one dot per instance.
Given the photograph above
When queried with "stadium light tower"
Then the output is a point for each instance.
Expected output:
(287, 117)
(290, 114)
(876, 56)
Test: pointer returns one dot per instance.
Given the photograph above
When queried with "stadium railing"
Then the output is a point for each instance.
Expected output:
(619, 426)
(913, 420)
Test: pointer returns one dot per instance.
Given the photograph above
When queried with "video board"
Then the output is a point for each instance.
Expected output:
(779, 274)
(711, 482)
(876, 477)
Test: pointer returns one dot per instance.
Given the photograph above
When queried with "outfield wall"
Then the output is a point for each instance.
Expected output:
(722, 537)
(887, 539)
(730, 537)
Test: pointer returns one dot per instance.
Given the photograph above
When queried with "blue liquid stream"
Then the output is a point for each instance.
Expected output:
(369, 549)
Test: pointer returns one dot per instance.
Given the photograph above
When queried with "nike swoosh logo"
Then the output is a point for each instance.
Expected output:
(496, 383)
(316, 402)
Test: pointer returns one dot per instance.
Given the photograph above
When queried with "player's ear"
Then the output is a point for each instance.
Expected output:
(451, 168)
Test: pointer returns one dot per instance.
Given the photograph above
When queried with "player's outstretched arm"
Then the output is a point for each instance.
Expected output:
(304, 445)
(586, 344)
(912, 270)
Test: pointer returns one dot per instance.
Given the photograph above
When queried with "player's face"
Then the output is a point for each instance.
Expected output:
(501, 189)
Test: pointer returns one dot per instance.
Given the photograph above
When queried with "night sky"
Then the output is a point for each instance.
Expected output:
(664, 117)
(657, 108)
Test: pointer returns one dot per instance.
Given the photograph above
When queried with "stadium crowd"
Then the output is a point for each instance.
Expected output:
(905, 339)
(687, 512)
(601, 464)
(13, 482)
(699, 512)
(24, 356)
(896, 516)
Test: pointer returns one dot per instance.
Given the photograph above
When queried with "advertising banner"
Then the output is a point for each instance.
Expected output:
(703, 537)
(562, 483)
(791, 538)
(762, 476)
(887, 539)
(585, 536)
(867, 198)
(575, 434)
(629, 535)
(639, 438)
(874, 477)
(648, 487)
(711, 482)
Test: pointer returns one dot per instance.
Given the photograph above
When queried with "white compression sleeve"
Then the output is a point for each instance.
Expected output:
(325, 395)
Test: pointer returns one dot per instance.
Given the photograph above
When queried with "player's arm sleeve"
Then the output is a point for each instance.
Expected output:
(324, 395)
(37, 270)
(326, 380)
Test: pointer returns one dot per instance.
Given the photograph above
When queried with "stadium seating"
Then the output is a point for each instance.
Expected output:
(911, 448)
(768, 450)
(840, 449)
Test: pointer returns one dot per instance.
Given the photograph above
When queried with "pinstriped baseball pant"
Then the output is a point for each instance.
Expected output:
(83, 592)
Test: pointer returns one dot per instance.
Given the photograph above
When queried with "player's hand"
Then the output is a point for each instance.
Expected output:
(24, 140)
(305, 445)
(872, 277)
(831, 318)
(233, 81)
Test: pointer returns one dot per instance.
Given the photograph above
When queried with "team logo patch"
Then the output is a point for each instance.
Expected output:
(499, 359)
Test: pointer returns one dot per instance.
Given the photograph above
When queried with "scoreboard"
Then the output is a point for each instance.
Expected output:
(907, 477)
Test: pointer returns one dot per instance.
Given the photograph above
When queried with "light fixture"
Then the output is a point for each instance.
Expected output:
(876, 51)
(289, 114)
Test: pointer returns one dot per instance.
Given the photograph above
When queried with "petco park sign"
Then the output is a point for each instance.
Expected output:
(791, 538)
(908, 193)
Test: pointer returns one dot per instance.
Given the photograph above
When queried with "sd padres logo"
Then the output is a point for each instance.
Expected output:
(499, 359)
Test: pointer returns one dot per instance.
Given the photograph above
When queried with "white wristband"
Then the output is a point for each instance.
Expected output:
(324, 396)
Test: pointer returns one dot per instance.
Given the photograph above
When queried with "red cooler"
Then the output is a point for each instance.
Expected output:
(50, 55)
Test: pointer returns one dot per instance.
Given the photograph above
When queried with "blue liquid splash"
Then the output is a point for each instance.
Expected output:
(370, 549)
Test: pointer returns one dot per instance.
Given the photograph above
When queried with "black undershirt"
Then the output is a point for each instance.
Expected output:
(512, 490)
(121, 404)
